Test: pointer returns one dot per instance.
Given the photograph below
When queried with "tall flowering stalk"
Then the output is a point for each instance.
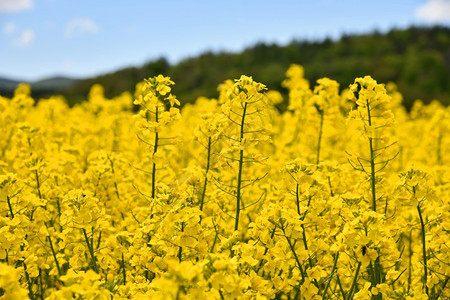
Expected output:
(370, 99)
(302, 175)
(153, 99)
(244, 107)
(325, 99)
(418, 191)
(207, 134)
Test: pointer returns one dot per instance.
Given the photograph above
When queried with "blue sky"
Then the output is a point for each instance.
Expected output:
(81, 38)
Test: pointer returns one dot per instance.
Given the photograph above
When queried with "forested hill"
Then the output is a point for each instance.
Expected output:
(416, 59)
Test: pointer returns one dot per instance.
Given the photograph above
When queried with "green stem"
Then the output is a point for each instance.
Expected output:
(372, 163)
(261, 261)
(305, 244)
(331, 188)
(239, 179)
(124, 273)
(424, 250)
(331, 275)
(372, 176)
(378, 275)
(320, 136)
(10, 207)
(59, 208)
(91, 251)
(373, 276)
(54, 255)
(177, 296)
(114, 177)
(180, 249)
(302, 217)
(117, 190)
(355, 278)
(41, 285)
(443, 288)
(340, 287)
(295, 255)
(27, 276)
(38, 184)
(99, 239)
(410, 260)
(202, 200)
(214, 243)
(154, 152)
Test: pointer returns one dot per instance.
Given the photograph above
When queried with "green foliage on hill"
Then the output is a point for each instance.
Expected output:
(416, 59)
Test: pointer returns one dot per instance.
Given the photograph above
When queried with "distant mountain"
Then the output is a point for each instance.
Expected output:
(57, 83)
(8, 84)
(40, 88)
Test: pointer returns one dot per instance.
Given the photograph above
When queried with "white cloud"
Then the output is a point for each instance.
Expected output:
(25, 39)
(434, 11)
(15, 5)
(79, 26)
(9, 28)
